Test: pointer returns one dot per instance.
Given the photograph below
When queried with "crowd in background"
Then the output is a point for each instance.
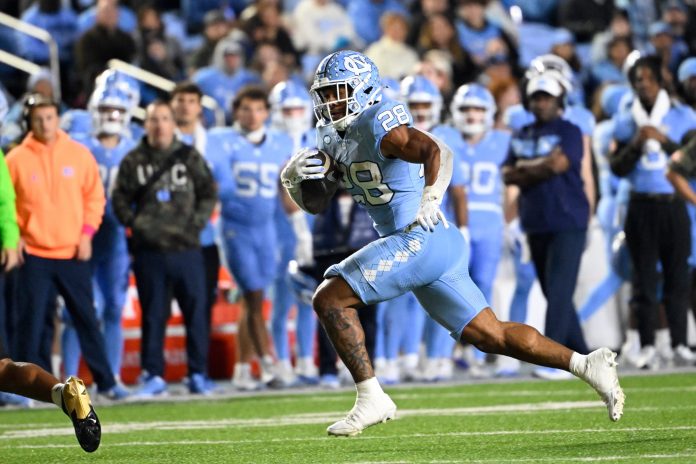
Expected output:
(489, 77)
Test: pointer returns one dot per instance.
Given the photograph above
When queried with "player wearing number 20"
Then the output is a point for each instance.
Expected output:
(380, 153)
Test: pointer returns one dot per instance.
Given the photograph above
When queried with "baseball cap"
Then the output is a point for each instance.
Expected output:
(659, 27)
(687, 69)
(545, 84)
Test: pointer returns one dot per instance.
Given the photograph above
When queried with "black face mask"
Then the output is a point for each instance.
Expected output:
(49, 6)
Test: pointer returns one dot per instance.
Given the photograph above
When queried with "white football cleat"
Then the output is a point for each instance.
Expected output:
(600, 372)
(365, 412)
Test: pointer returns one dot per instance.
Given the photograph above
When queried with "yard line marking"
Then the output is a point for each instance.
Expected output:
(300, 419)
(386, 437)
(554, 459)
(314, 418)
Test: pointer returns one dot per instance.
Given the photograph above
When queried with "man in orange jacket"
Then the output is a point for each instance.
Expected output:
(60, 203)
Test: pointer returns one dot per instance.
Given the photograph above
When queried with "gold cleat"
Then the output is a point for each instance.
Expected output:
(77, 405)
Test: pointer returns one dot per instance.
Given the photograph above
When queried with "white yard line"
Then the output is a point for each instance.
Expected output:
(395, 437)
(554, 459)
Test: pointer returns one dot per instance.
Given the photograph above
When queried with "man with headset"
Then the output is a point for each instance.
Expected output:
(60, 203)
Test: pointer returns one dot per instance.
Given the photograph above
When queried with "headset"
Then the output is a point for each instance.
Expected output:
(35, 100)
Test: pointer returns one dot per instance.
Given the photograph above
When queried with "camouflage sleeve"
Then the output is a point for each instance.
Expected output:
(125, 187)
(206, 193)
(685, 164)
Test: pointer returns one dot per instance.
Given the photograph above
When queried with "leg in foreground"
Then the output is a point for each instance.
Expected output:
(31, 381)
(598, 369)
(335, 303)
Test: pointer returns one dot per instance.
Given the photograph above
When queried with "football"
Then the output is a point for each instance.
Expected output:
(316, 193)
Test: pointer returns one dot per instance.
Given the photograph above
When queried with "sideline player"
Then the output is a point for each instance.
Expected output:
(380, 154)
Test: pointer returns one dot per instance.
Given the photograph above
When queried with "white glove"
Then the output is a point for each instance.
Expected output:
(302, 167)
(429, 214)
(304, 250)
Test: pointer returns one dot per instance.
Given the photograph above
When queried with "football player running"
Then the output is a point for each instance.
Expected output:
(381, 153)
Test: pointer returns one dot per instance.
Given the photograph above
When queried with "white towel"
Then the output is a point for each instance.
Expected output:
(659, 111)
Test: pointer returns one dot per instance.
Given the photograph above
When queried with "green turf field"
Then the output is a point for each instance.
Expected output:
(511, 422)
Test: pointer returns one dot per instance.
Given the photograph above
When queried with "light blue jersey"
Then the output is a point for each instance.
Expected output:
(247, 177)
(390, 189)
(516, 117)
(484, 184)
(648, 176)
(434, 265)
(247, 174)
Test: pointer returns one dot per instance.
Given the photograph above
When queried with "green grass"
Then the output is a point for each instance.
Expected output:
(516, 422)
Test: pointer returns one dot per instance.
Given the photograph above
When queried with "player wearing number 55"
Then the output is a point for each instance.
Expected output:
(381, 154)
(246, 162)
(165, 194)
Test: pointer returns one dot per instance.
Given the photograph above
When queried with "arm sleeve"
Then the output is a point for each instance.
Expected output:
(124, 189)
(9, 231)
(92, 194)
(624, 159)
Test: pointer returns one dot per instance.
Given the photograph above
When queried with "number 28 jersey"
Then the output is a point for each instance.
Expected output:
(390, 189)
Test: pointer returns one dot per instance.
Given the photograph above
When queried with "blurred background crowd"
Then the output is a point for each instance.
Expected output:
(619, 71)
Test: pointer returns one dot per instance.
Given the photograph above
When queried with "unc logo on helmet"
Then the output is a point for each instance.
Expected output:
(345, 84)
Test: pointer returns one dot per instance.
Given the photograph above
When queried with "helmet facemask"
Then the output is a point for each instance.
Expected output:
(335, 104)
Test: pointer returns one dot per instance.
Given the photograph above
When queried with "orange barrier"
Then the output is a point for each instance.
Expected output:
(221, 355)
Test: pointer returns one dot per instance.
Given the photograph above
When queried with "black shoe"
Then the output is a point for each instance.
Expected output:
(77, 405)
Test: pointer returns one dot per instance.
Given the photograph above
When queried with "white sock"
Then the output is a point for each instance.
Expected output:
(57, 395)
(368, 388)
(242, 370)
(577, 364)
(662, 338)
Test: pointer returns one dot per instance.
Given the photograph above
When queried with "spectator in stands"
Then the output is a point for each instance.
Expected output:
(584, 18)
(366, 15)
(58, 211)
(438, 33)
(166, 211)
(474, 30)
(610, 70)
(226, 75)
(216, 27)
(437, 67)
(506, 94)
(127, 21)
(56, 17)
(671, 50)
(99, 44)
(686, 76)
(618, 27)
(394, 58)
(425, 10)
(321, 26)
(545, 163)
(157, 52)
(266, 26)
(657, 226)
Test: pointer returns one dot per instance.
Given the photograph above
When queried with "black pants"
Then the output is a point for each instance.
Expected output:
(366, 314)
(157, 273)
(39, 279)
(658, 230)
(211, 262)
(556, 259)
